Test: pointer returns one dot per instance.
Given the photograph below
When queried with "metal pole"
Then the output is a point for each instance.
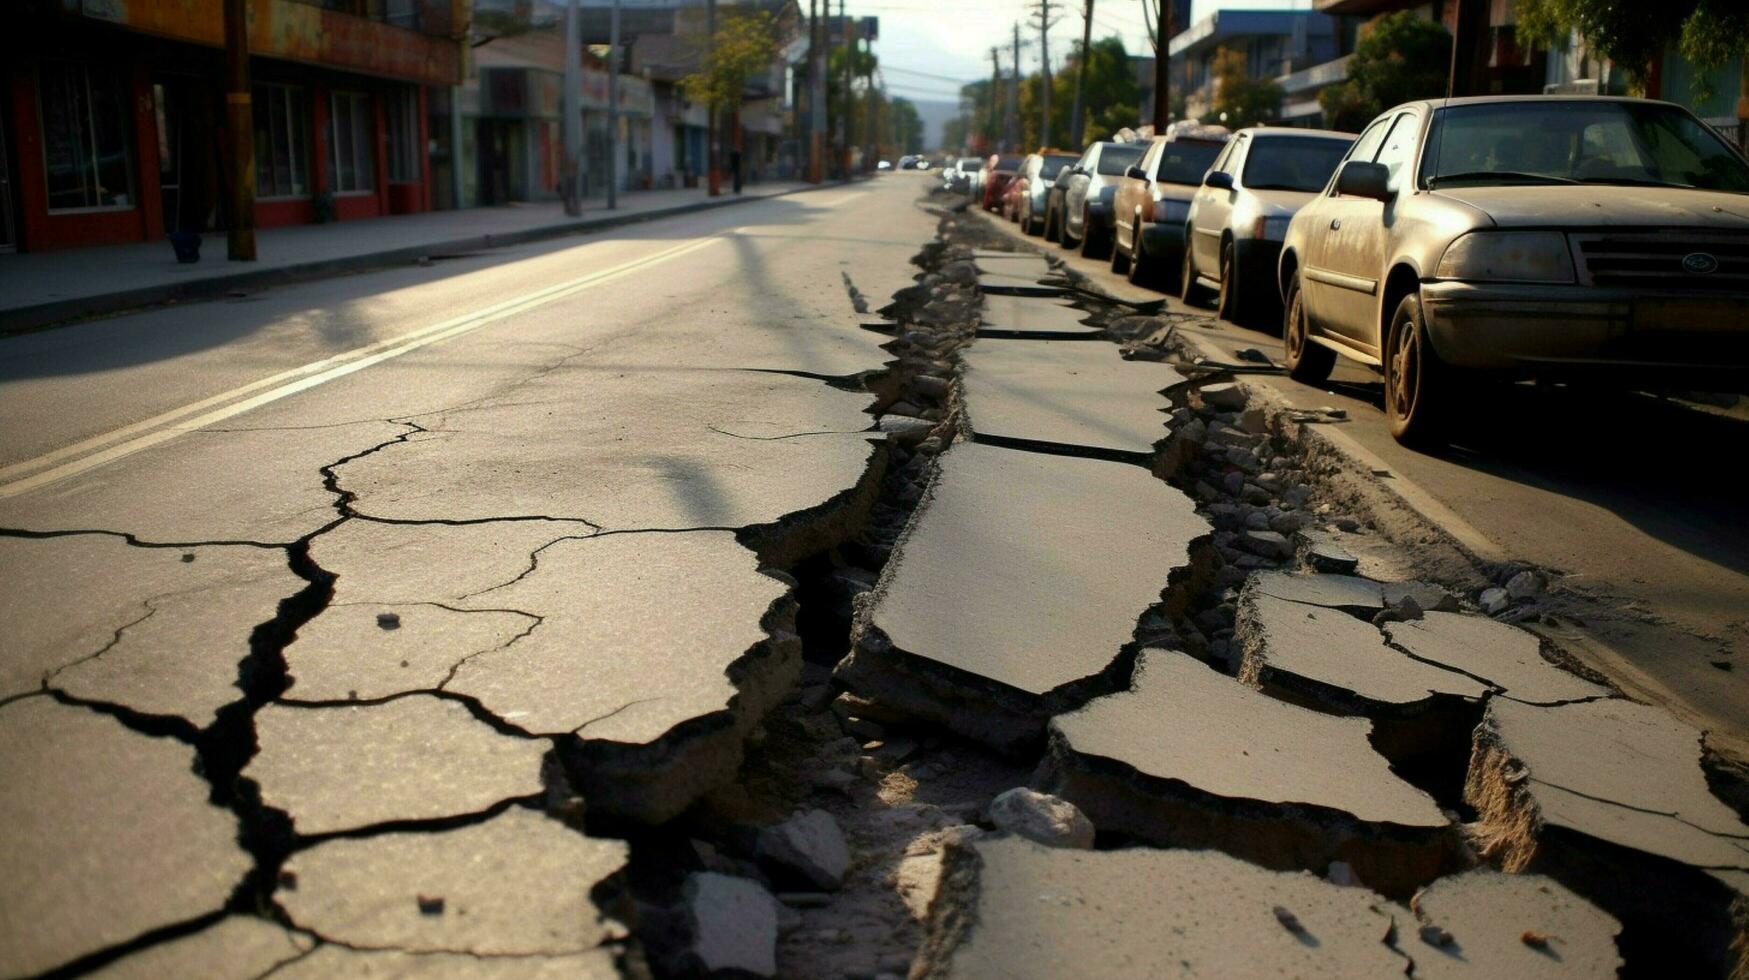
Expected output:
(1011, 127)
(714, 180)
(456, 185)
(1164, 24)
(613, 107)
(1075, 122)
(995, 145)
(816, 92)
(844, 101)
(571, 118)
(240, 116)
(1044, 57)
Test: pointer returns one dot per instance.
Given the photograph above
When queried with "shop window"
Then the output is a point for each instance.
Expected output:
(403, 117)
(282, 167)
(350, 134)
(86, 158)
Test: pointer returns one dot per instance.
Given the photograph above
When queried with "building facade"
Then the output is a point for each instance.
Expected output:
(114, 124)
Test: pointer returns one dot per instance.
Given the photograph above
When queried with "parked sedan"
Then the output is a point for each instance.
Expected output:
(1078, 205)
(1537, 236)
(1032, 183)
(997, 172)
(1239, 217)
(1154, 199)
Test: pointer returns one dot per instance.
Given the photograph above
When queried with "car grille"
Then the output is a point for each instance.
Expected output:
(1656, 260)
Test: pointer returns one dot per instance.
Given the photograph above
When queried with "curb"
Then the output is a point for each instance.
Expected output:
(26, 319)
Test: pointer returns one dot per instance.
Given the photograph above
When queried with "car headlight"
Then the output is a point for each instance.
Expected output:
(1270, 229)
(1171, 212)
(1509, 256)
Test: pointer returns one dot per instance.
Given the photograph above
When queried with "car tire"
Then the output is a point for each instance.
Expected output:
(1308, 362)
(1120, 258)
(1094, 242)
(1069, 242)
(1420, 390)
(1052, 223)
(1191, 292)
(1142, 272)
(1230, 304)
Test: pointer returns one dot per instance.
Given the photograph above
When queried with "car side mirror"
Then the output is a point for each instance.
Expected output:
(1137, 173)
(1360, 179)
(1219, 180)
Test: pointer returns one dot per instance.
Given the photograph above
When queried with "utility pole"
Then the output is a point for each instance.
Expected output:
(870, 135)
(995, 99)
(714, 179)
(571, 124)
(240, 115)
(845, 102)
(1165, 24)
(613, 107)
(1045, 23)
(1075, 123)
(1011, 120)
(816, 108)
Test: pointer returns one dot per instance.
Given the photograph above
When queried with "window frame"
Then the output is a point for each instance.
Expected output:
(355, 99)
(289, 96)
(402, 102)
(89, 136)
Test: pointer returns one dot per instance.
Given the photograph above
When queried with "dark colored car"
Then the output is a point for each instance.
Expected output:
(1078, 206)
(997, 173)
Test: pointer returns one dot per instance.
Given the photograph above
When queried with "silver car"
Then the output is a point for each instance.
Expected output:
(1078, 208)
(1240, 215)
(1534, 236)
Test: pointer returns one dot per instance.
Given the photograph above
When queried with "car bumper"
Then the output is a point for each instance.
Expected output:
(1582, 330)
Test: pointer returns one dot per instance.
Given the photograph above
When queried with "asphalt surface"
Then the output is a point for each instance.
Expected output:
(1630, 501)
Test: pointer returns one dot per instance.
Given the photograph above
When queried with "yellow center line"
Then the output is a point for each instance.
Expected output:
(98, 450)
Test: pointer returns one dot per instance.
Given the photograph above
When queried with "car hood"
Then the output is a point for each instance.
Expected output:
(1599, 205)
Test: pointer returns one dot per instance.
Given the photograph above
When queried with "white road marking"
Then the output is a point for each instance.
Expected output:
(833, 202)
(98, 450)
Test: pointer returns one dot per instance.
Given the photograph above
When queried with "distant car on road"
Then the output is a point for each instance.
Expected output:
(1533, 236)
(1240, 215)
(908, 162)
(1153, 200)
(1078, 204)
(965, 172)
(1031, 184)
(997, 172)
(884, 165)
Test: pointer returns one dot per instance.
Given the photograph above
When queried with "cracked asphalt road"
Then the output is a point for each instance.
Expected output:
(309, 595)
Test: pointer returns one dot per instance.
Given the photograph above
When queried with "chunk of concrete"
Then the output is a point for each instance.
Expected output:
(1016, 588)
(149, 629)
(111, 834)
(1336, 591)
(237, 946)
(517, 884)
(1508, 658)
(329, 960)
(1041, 817)
(1012, 908)
(1009, 284)
(808, 844)
(1029, 315)
(1227, 397)
(1608, 797)
(413, 758)
(1189, 757)
(1067, 393)
(733, 923)
(1484, 925)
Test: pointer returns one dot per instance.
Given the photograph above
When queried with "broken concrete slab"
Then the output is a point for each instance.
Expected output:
(329, 960)
(159, 631)
(1325, 658)
(997, 283)
(1484, 924)
(1189, 757)
(733, 924)
(413, 758)
(238, 946)
(1012, 908)
(1609, 798)
(1066, 393)
(113, 836)
(1509, 659)
(1033, 315)
(1016, 588)
(1335, 591)
(516, 884)
(1023, 265)
(809, 844)
(346, 653)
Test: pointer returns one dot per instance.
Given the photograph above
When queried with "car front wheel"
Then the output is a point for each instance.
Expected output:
(1420, 390)
(1120, 257)
(1191, 292)
(1307, 362)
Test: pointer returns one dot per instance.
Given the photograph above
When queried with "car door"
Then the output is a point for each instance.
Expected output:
(1328, 291)
(1357, 254)
(1075, 196)
(1214, 207)
(1133, 192)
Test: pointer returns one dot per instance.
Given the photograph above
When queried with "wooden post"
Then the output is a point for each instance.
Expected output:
(239, 114)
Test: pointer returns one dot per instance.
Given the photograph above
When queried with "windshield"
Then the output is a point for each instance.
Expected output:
(1054, 164)
(968, 164)
(1009, 163)
(1115, 158)
(1582, 142)
(1185, 161)
(1293, 163)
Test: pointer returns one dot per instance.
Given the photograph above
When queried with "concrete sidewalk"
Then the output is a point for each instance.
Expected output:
(43, 288)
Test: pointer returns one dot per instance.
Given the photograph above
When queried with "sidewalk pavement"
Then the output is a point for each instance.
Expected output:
(42, 288)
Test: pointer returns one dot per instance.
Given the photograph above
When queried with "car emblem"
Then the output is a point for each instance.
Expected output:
(1699, 263)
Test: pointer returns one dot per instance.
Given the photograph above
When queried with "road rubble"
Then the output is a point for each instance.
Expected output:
(947, 621)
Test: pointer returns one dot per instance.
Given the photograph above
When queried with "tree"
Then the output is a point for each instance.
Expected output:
(1400, 58)
(907, 126)
(1109, 101)
(746, 45)
(1635, 33)
(1239, 99)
